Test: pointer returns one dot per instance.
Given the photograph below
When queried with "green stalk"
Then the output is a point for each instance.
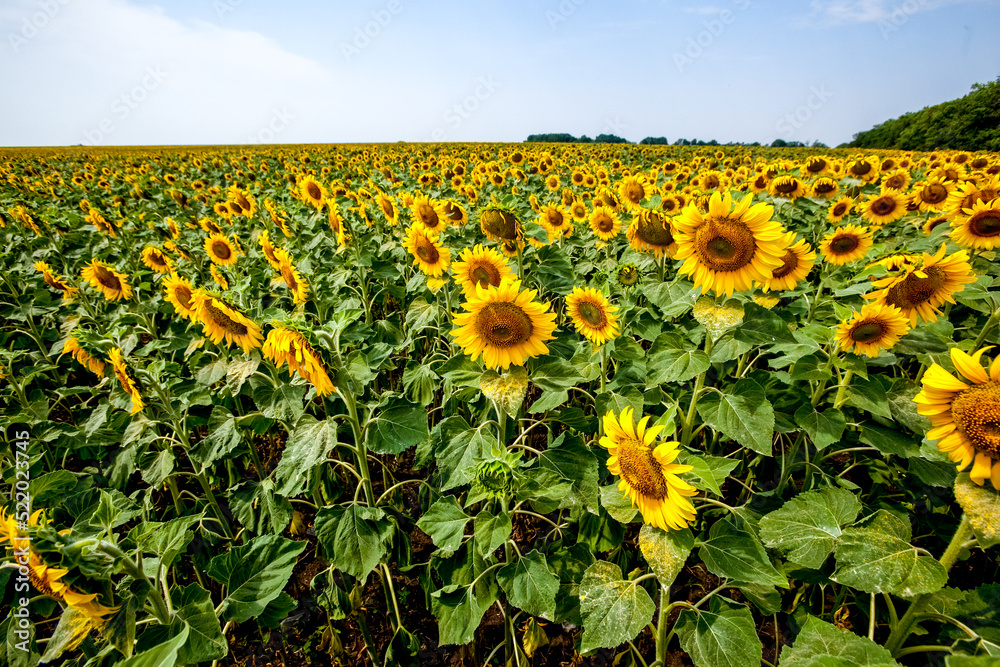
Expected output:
(661, 626)
(985, 330)
(361, 448)
(699, 384)
(842, 391)
(904, 628)
(213, 501)
(604, 366)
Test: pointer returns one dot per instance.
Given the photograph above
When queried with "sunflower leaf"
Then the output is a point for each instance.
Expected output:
(445, 522)
(309, 445)
(744, 414)
(808, 526)
(614, 610)
(738, 554)
(666, 551)
(254, 574)
(398, 426)
(724, 635)
(982, 506)
(530, 584)
(823, 428)
(820, 639)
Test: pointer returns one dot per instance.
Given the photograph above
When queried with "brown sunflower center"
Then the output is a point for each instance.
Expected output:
(785, 187)
(453, 212)
(485, 275)
(312, 189)
(934, 193)
(789, 263)
(976, 412)
(183, 296)
(503, 324)
(840, 209)
(860, 168)
(895, 182)
(760, 182)
(641, 469)
(824, 187)
(985, 223)
(986, 194)
(499, 224)
(913, 290)
(654, 230)
(222, 321)
(604, 222)
(883, 206)
(935, 222)
(554, 218)
(634, 191)
(867, 332)
(711, 182)
(628, 276)
(593, 314)
(428, 216)
(157, 259)
(387, 208)
(426, 251)
(107, 279)
(221, 250)
(844, 244)
(816, 166)
(725, 245)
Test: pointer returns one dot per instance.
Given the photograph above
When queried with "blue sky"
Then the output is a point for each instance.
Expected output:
(124, 72)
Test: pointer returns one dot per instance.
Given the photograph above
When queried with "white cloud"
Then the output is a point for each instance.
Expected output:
(845, 12)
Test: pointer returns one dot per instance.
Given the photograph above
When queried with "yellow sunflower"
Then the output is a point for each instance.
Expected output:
(865, 169)
(839, 209)
(428, 253)
(218, 277)
(556, 221)
(222, 321)
(730, 246)
(312, 192)
(285, 345)
(787, 187)
(54, 281)
(504, 324)
(157, 260)
(267, 247)
(923, 288)
(978, 227)
(429, 213)
(966, 195)
(824, 188)
(456, 214)
(897, 179)
(605, 223)
(652, 231)
(883, 208)
(84, 357)
(296, 284)
(633, 189)
(649, 476)
(795, 265)
(592, 314)
(480, 266)
(502, 224)
(846, 244)
(877, 327)
(124, 375)
(112, 284)
(965, 416)
(221, 250)
(179, 292)
(578, 210)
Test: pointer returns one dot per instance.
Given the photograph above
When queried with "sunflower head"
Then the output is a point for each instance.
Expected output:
(592, 314)
(222, 321)
(846, 244)
(500, 223)
(628, 276)
(653, 232)
(479, 266)
(877, 327)
(978, 227)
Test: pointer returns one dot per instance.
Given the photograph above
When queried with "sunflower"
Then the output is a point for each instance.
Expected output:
(633, 189)
(875, 328)
(312, 192)
(218, 277)
(85, 357)
(504, 324)
(95, 218)
(865, 169)
(895, 180)
(455, 213)
(787, 187)
(277, 217)
(221, 250)
(932, 194)
(296, 284)
(245, 204)
(817, 165)
(578, 210)
(897, 261)
(125, 377)
(628, 276)
(267, 247)
(795, 265)
(592, 314)
(428, 253)
(556, 221)
(480, 266)
(839, 209)
(54, 281)
(114, 285)
(966, 195)
(730, 246)
(922, 288)
(501, 224)
(824, 188)
(606, 197)
(965, 416)
(978, 227)
(220, 320)
(209, 226)
(652, 231)
(649, 476)
(178, 292)
(429, 213)
(286, 345)
(605, 223)
(881, 209)
(846, 244)
(157, 260)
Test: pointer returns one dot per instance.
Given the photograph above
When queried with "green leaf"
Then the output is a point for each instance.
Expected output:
(982, 506)
(167, 540)
(254, 574)
(878, 558)
(309, 445)
(904, 410)
(555, 375)
(823, 428)
(161, 655)
(971, 661)
(569, 456)
(113, 510)
(239, 371)
(761, 326)
(889, 440)
(397, 427)
(530, 584)
(457, 459)
(421, 383)
(554, 270)
(708, 472)
(223, 437)
(675, 366)
(871, 395)
(618, 505)
(490, 532)
(212, 373)
(422, 314)
(282, 403)
(666, 551)
(277, 610)
(724, 635)
(352, 538)
(259, 508)
(745, 415)
(672, 298)
(195, 610)
(808, 526)
(737, 554)
(614, 611)
(549, 400)
(445, 523)
(819, 638)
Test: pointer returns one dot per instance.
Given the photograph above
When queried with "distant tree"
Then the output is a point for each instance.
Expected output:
(584, 139)
(779, 143)
(818, 144)
(610, 139)
(654, 140)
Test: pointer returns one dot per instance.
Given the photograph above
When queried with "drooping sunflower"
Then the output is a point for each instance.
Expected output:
(157, 260)
(112, 284)
(605, 223)
(978, 227)
(268, 248)
(501, 224)
(312, 192)
(839, 209)
(86, 358)
(429, 254)
(883, 208)
(287, 345)
(796, 263)
(652, 231)
(296, 284)
(179, 292)
(965, 416)
(649, 476)
(846, 244)
(54, 281)
(923, 288)
(429, 214)
(95, 218)
(504, 324)
(455, 212)
(125, 377)
(730, 246)
(877, 327)
(787, 187)
(592, 314)
(865, 169)
(222, 321)
(824, 188)
(480, 266)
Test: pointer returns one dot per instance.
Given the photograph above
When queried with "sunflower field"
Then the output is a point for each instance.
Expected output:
(499, 404)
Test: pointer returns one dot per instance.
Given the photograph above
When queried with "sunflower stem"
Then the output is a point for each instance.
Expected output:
(361, 448)
(699, 384)
(661, 626)
(985, 330)
(842, 392)
(904, 628)
(604, 367)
